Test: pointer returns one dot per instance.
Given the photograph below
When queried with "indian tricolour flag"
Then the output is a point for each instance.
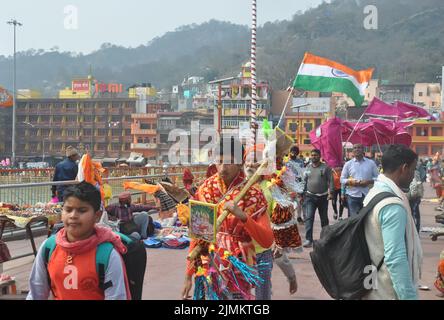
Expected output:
(320, 74)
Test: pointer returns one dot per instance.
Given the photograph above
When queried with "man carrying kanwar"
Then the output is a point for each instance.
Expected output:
(227, 270)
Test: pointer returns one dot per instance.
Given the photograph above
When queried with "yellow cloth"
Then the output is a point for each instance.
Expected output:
(21, 222)
(108, 192)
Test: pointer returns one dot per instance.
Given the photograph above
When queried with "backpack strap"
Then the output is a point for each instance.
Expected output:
(48, 249)
(375, 200)
(371, 205)
(103, 254)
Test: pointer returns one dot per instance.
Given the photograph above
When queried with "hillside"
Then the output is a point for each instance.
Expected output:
(406, 47)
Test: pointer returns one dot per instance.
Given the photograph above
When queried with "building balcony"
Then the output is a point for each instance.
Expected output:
(70, 138)
(71, 124)
(88, 111)
(86, 124)
(44, 111)
(129, 110)
(100, 139)
(143, 146)
(86, 137)
(100, 125)
(166, 128)
(33, 138)
(59, 111)
(44, 125)
(114, 139)
(27, 111)
(420, 139)
(144, 116)
(436, 139)
(148, 132)
(100, 112)
(114, 111)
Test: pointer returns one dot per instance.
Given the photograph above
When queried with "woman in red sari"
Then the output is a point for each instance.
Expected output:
(247, 221)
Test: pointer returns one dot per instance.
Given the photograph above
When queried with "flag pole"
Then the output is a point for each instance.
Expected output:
(285, 106)
(377, 141)
(356, 125)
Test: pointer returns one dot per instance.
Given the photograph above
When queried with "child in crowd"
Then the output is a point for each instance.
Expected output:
(336, 172)
(69, 271)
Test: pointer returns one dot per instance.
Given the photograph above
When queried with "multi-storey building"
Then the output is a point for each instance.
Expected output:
(236, 101)
(100, 125)
(427, 95)
(168, 121)
(144, 130)
(301, 120)
(391, 93)
(427, 137)
(5, 132)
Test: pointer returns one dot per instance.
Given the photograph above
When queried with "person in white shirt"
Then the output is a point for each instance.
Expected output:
(358, 174)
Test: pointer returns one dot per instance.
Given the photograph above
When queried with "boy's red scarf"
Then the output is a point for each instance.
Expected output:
(100, 235)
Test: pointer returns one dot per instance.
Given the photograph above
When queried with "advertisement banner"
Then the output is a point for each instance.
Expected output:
(80, 85)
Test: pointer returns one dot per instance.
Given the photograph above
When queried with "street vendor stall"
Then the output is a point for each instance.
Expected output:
(26, 216)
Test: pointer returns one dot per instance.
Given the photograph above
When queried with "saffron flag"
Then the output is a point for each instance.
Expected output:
(320, 74)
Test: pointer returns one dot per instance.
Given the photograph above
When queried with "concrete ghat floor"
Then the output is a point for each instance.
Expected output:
(165, 267)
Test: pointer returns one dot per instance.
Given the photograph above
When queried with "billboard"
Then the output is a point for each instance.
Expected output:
(6, 99)
(108, 88)
(80, 85)
(315, 105)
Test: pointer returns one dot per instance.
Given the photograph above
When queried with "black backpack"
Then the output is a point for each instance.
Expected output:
(341, 254)
(134, 259)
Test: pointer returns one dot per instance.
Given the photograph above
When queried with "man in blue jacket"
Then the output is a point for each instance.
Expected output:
(66, 171)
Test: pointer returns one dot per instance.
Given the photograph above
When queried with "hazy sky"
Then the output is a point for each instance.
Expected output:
(124, 22)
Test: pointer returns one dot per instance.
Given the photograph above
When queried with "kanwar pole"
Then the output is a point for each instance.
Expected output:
(253, 122)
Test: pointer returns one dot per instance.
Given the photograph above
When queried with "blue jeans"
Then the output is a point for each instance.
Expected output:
(354, 205)
(311, 203)
(263, 291)
(141, 219)
(414, 206)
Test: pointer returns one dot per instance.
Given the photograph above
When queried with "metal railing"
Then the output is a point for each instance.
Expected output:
(13, 176)
(35, 192)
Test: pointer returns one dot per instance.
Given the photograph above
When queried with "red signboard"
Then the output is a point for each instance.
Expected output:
(6, 99)
(80, 85)
(109, 87)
